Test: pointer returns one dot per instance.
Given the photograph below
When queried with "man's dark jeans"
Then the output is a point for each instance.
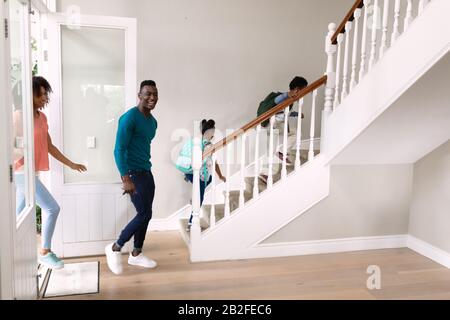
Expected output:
(143, 201)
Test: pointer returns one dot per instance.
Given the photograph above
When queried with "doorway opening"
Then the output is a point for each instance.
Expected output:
(91, 68)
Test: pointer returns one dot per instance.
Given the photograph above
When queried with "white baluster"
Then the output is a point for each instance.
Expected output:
(330, 49)
(408, 17)
(227, 191)
(212, 218)
(340, 39)
(374, 34)
(242, 187)
(396, 28)
(422, 5)
(285, 140)
(385, 27)
(362, 69)
(196, 166)
(313, 126)
(299, 135)
(348, 28)
(256, 182)
(270, 177)
(357, 15)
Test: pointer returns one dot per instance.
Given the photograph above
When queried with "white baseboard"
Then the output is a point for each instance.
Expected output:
(171, 223)
(273, 250)
(438, 255)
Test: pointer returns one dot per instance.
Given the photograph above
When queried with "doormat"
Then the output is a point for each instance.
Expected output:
(74, 279)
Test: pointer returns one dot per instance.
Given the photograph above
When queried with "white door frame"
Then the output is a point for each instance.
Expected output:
(6, 214)
(18, 245)
(56, 183)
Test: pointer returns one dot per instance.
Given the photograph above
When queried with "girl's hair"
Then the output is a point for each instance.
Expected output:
(206, 125)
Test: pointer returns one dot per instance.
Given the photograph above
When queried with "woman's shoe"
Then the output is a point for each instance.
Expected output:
(51, 261)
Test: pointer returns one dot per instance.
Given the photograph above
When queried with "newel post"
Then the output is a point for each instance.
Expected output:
(196, 166)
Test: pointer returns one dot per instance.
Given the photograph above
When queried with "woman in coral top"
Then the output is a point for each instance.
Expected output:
(43, 146)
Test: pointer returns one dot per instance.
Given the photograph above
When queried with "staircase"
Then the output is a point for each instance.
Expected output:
(219, 206)
(361, 102)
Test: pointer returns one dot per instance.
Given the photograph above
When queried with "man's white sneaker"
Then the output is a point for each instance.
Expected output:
(113, 259)
(141, 261)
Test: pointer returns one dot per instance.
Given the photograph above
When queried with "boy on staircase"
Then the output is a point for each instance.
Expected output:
(272, 100)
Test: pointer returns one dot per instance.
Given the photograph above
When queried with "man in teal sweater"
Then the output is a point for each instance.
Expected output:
(137, 128)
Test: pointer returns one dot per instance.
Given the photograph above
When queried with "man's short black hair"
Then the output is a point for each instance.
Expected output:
(150, 83)
(298, 82)
(41, 82)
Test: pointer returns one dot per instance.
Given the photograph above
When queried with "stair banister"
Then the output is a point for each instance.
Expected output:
(312, 127)
(409, 17)
(270, 155)
(422, 5)
(227, 184)
(242, 182)
(348, 17)
(373, 50)
(285, 141)
(212, 219)
(330, 50)
(265, 116)
(362, 68)
(255, 180)
(196, 166)
(299, 134)
(385, 27)
(348, 27)
(396, 27)
(340, 39)
(355, 49)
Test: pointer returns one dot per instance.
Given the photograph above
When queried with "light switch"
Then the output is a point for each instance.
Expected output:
(91, 143)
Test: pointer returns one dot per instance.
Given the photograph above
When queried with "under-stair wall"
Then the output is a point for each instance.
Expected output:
(364, 201)
(429, 225)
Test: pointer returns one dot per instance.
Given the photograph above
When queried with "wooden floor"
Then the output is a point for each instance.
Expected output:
(404, 275)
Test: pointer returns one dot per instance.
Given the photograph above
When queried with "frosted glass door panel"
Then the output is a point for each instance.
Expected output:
(93, 98)
(17, 13)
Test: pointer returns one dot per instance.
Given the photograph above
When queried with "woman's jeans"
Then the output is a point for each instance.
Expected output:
(203, 185)
(142, 200)
(44, 199)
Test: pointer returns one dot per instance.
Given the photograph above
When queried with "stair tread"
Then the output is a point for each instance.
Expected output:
(219, 212)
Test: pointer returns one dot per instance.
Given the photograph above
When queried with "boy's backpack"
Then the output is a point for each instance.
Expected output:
(267, 104)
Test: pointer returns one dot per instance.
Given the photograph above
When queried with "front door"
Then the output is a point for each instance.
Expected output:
(92, 69)
(18, 230)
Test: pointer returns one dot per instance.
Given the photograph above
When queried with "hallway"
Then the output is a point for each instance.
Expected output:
(404, 275)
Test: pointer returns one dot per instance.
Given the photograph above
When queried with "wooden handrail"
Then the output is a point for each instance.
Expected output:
(265, 116)
(349, 17)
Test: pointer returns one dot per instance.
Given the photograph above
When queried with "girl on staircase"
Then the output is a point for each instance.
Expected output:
(207, 128)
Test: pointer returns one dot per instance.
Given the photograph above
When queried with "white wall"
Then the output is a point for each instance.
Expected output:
(364, 201)
(217, 59)
(430, 206)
